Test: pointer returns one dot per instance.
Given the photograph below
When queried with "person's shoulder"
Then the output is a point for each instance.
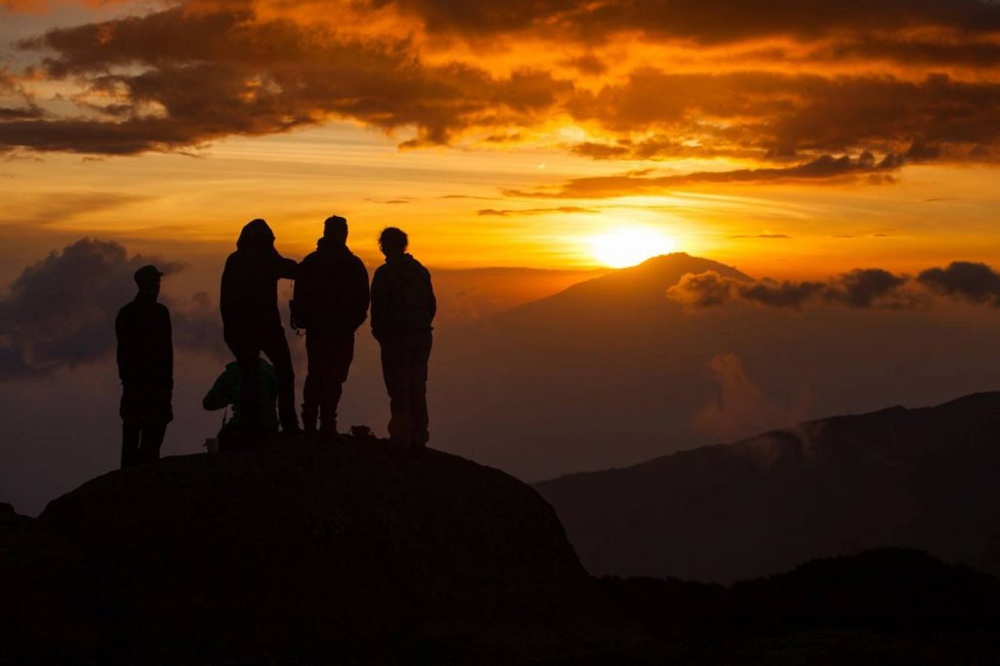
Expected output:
(355, 261)
(162, 309)
(126, 310)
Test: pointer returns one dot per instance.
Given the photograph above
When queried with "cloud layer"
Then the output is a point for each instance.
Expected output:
(860, 288)
(892, 83)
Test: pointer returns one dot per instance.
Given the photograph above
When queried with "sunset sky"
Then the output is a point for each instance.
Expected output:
(791, 139)
(846, 150)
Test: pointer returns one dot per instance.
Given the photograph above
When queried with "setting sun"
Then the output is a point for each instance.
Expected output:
(628, 247)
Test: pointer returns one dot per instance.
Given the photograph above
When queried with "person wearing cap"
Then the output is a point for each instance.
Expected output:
(251, 322)
(146, 370)
(403, 307)
(330, 302)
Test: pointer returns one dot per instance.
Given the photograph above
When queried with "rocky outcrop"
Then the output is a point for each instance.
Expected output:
(303, 553)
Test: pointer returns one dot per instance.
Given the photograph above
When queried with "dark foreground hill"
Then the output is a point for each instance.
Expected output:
(879, 608)
(921, 478)
(300, 553)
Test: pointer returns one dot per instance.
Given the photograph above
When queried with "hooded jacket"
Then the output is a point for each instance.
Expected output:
(249, 298)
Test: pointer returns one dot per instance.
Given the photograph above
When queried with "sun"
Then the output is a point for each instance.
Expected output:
(630, 246)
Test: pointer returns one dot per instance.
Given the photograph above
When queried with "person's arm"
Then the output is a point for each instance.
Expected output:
(221, 394)
(432, 300)
(169, 363)
(121, 352)
(378, 302)
(360, 293)
(286, 268)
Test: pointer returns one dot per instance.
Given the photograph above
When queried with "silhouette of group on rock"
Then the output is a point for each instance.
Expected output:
(330, 301)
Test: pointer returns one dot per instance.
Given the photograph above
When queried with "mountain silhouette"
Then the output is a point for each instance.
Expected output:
(922, 478)
(299, 553)
(640, 286)
(885, 606)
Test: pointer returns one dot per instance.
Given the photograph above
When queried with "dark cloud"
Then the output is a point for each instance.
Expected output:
(535, 211)
(60, 312)
(705, 22)
(966, 280)
(181, 78)
(201, 70)
(783, 115)
(779, 294)
(863, 288)
(860, 288)
(824, 168)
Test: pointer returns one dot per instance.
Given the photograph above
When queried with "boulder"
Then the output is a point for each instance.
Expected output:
(303, 551)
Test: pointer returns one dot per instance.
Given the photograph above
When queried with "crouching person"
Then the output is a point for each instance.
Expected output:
(225, 392)
(403, 308)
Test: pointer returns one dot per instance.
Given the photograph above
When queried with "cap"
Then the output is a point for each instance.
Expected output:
(147, 275)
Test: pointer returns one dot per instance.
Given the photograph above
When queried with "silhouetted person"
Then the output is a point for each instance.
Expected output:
(331, 302)
(251, 322)
(226, 391)
(146, 368)
(403, 307)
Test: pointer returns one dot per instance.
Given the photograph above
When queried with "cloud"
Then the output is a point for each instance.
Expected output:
(966, 280)
(707, 23)
(535, 211)
(55, 207)
(826, 168)
(200, 70)
(182, 77)
(860, 288)
(60, 312)
(863, 288)
(765, 236)
(740, 407)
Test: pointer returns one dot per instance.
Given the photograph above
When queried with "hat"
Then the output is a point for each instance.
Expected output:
(147, 275)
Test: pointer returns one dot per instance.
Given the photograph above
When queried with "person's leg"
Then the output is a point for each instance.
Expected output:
(313, 389)
(248, 359)
(339, 354)
(276, 349)
(152, 439)
(395, 372)
(130, 443)
(419, 357)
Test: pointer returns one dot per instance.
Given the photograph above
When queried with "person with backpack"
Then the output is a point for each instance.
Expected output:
(403, 308)
(330, 302)
(251, 322)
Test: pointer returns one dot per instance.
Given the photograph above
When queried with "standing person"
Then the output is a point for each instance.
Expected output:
(403, 307)
(146, 368)
(251, 322)
(331, 302)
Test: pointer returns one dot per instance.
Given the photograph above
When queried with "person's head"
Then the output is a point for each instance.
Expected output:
(147, 279)
(335, 229)
(256, 237)
(393, 242)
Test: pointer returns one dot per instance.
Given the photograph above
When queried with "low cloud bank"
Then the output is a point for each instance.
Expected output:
(860, 288)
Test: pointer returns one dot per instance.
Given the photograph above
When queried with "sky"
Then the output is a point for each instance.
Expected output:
(797, 138)
(847, 152)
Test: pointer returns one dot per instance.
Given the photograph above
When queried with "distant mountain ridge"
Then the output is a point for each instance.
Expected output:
(641, 284)
(924, 478)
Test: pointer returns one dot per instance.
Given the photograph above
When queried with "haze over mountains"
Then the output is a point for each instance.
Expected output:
(606, 372)
(921, 478)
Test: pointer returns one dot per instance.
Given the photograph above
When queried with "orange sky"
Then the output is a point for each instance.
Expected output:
(798, 142)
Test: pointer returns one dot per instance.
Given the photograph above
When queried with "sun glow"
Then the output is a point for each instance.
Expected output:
(630, 246)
